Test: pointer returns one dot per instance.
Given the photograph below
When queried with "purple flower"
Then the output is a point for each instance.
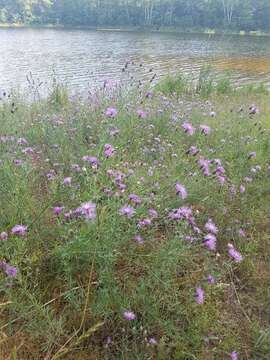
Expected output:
(57, 210)
(28, 150)
(219, 170)
(67, 181)
(206, 130)
(88, 210)
(152, 341)
(234, 254)
(11, 270)
(253, 109)
(92, 160)
(153, 213)
(248, 179)
(211, 227)
(242, 189)
(204, 165)
(181, 190)
(111, 112)
(189, 129)
(210, 242)
(135, 199)
(19, 230)
(252, 155)
(141, 114)
(8, 269)
(108, 150)
(181, 213)
(210, 279)
(139, 239)
(234, 355)
(122, 186)
(241, 233)
(193, 150)
(127, 210)
(129, 315)
(22, 141)
(3, 236)
(199, 295)
(18, 162)
(144, 223)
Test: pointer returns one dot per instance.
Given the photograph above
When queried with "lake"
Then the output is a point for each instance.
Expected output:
(83, 59)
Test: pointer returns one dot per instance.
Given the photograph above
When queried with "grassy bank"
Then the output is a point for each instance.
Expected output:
(144, 224)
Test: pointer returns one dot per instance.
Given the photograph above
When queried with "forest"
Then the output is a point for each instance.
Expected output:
(245, 15)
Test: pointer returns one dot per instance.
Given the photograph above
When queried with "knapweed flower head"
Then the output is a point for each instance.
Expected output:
(252, 155)
(242, 189)
(127, 211)
(199, 296)
(111, 112)
(87, 210)
(108, 150)
(234, 355)
(138, 238)
(67, 181)
(153, 213)
(152, 341)
(204, 165)
(234, 254)
(4, 236)
(9, 270)
(206, 130)
(248, 179)
(219, 171)
(92, 160)
(20, 230)
(51, 175)
(57, 210)
(193, 150)
(253, 110)
(181, 213)
(142, 114)
(144, 223)
(221, 179)
(135, 199)
(22, 141)
(241, 233)
(129, 315)
(18, 162)
(28, 150)
(181, 190)
(210, 241)
(188, 128)
(210, 279)
(211, 227)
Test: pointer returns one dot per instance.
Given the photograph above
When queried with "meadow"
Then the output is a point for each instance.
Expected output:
(135, 225)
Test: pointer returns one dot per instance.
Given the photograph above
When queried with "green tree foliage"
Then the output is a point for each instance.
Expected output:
(227, 14)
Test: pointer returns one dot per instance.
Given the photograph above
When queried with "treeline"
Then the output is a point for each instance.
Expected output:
(212, 14)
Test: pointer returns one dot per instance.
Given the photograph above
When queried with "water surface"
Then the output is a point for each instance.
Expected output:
(83, 59)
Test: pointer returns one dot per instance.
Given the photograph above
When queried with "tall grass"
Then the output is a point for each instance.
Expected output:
(76, 278)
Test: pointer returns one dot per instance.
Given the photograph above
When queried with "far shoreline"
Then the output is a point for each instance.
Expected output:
(160, 30)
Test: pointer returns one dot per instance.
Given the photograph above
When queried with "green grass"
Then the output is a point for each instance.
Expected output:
(75, 278)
